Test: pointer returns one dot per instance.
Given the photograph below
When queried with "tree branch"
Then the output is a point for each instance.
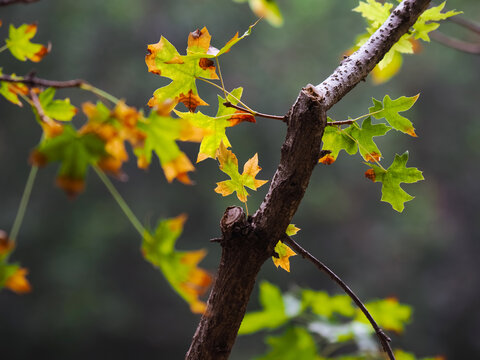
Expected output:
(467, 24)
(384, 339)
(470, 48)
(254, 113)
(357, 66)
(11, 2)
(31, 80)
(246, 244)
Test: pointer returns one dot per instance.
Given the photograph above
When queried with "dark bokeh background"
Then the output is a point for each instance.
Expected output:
(94, 296)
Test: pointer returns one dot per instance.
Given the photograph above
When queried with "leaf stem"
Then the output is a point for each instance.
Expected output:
(362, 147)
(120, 201)
(221, 78)
(229, 93)
(4, 47)
(22, 208)
(351, 121)
(99, 92)
(254, 113)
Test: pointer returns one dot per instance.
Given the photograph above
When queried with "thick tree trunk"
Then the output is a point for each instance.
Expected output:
(248, 243)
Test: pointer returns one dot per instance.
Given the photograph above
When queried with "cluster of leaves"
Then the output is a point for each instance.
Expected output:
(101, 142)
(318, 326)
(357, 137)
(376, 13)
(18, 42)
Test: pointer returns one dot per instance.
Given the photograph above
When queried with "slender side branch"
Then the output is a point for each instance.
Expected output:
(467, 47)
(11, 2)
(467, 24)
(36, 104)
(357, 66)
(384, 339)
(254, 113)
(35, 81)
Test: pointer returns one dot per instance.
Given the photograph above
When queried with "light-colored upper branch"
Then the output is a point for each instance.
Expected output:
(357, 66)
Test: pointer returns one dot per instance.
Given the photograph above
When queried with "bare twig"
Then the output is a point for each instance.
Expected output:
(11, 2)
(467, 47)
(254, 113)
(31, 80)
(384, 339)
(36, 104)
(467, 24)
(342, 122)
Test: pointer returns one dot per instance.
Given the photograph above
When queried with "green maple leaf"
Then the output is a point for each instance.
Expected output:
(426, 22)
(388, 313)
(179, 267)
(75, 152)
(214, 127)
(325, 305)
(374, 12)
(163, 59)
(162, 133)
(229, 165)
(60, 110)
(21, 47)
(391, 179)
(272, 314)
(390, 109)
(296, 343)
(352, 138)
(10, 90)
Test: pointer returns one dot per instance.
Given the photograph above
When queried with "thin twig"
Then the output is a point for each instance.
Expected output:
(342, 122)
(467, 24)
(382, 336)
(38, 106)
(31, 80)
(254, 113)
(467, 47)
(11, 2)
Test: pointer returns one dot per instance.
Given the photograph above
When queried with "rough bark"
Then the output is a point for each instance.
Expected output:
(248, 243)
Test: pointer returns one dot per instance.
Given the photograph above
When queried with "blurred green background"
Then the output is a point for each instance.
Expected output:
(94, 295)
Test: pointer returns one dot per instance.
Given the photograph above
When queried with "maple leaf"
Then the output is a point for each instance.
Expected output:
(325, 305)
(21, 47)
(295, 343)
(229, 165)
(388, 313)
(6, 244)
(114, 127)
(267, 9)
(10, 91)
(374, 12)
(426, 22)
(382, 74)
(13, 277)
(390, 109)
(60, 110)
(283, 251)
(352, 138)
(161, 135)
(271, 316)
(214, 127)
(391, 179)
(163, 59)
(75, 152)
(179, 267)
